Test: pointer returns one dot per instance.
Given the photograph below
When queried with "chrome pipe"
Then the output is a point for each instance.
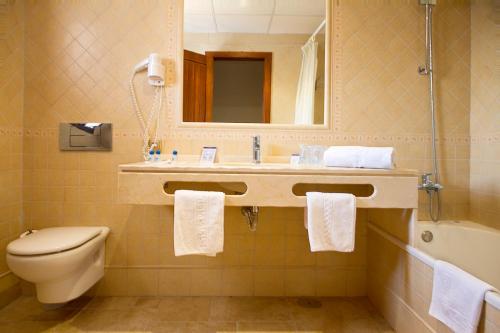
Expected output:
(431, 186)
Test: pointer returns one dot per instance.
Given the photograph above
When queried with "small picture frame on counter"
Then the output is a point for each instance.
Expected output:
(208, 155)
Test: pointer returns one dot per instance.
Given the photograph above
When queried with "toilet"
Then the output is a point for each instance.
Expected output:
(62, 262)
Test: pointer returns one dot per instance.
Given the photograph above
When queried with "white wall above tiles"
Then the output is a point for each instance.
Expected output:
(253, 16)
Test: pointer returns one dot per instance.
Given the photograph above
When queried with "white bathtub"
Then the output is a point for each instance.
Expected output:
(468, 245)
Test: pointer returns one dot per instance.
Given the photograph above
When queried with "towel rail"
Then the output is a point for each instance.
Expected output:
(269, 190)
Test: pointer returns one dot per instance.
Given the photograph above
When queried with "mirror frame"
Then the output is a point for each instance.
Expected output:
(329, 87)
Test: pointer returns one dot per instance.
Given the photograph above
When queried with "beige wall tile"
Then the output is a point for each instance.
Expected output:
(114, 283)
(142, 282)
(11, 125)
(331, 282)
(298, 252)
(484, 130)
(356, 282)
(174, 282)
(270, 250)
(237, 282)
(269, 282)
(300, 282)
(206, 282)
(116, 250)
(142, 250)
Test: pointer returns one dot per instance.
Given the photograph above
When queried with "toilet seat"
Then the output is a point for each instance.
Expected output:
(52, 240)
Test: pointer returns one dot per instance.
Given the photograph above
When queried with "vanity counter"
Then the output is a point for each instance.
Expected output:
(262, 168)
(265, 184)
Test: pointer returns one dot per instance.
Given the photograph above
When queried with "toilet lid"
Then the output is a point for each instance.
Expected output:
(52, 240)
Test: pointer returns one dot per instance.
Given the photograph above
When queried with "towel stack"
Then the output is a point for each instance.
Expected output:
(359, 157)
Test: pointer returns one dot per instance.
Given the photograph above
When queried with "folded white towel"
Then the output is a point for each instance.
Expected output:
(198, 222)
(359, 157)
(331, 221)
(457, 297)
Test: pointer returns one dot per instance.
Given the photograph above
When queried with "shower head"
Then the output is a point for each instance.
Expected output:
(428, 2)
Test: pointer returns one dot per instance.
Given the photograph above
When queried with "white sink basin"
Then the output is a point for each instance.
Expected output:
(248, 167)
(252, 165)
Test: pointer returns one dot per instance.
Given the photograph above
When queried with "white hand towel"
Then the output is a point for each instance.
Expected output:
(198, 222)
(331, 221)
(457, 297)
(359, 157)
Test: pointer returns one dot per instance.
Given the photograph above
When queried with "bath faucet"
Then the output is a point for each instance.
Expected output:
(256, 149)
(428, 184)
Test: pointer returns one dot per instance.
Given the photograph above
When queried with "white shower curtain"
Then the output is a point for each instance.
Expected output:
(304, 104)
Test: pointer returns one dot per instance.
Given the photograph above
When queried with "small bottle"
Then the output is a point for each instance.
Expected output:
(151, 155)
(174, 155)
(158, 155)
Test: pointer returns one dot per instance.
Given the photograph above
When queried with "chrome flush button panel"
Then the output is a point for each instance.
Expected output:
(85, 136)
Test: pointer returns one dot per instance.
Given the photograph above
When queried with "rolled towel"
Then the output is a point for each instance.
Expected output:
(359, 157)
(198, 222)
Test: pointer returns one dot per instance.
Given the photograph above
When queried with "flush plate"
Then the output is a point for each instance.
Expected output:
(85, 136)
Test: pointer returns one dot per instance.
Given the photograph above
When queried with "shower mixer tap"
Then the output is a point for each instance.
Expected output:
(423, 70)
(428, 184)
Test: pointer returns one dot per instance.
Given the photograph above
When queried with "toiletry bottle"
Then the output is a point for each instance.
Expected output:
(151, 155)
(158, 155)
(174, 155)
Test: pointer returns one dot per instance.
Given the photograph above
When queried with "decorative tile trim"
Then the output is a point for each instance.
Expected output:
(487, 139)
(16, 132)
(279, 137)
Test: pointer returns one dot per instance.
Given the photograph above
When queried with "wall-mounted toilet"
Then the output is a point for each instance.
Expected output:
(62, 262)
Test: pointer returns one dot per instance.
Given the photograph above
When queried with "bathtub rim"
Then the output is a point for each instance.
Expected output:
(491, 297)
(465, 224)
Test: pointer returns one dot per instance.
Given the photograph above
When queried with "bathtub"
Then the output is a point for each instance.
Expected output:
(468, 245)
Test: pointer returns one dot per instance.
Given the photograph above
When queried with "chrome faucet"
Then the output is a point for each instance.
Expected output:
(256, 149)
(428, 184)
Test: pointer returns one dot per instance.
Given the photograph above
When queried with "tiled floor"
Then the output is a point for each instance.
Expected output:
(193, 314)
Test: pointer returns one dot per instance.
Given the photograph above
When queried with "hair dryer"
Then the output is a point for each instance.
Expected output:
(156, 70)
(150, 122)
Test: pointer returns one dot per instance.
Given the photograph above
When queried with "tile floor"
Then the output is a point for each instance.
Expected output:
(194, 314)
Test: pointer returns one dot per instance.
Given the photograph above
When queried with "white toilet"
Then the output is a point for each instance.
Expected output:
(62, 262)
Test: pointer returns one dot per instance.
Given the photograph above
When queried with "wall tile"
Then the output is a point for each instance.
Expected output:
(12, 49)
(382, 101)
(485, 130)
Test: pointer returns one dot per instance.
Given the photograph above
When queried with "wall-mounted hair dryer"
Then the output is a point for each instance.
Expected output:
(150, 123)
(156, 70)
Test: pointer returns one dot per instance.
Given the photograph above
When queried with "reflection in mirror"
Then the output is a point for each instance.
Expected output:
(254, 61)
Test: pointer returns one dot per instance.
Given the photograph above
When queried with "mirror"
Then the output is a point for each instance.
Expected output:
(255, 61)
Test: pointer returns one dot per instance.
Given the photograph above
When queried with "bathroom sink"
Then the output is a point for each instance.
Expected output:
(252, 165)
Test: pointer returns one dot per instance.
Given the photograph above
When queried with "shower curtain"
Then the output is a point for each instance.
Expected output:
(304, 103)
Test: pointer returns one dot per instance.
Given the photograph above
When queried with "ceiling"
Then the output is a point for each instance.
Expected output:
(253, 16)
